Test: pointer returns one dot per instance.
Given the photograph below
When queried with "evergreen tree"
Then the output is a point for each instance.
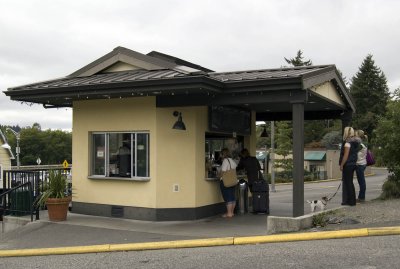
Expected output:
(298, 60)
(371, 95)
(284, 146)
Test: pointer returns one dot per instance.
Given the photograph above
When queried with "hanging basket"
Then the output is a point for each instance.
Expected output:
(57, 208)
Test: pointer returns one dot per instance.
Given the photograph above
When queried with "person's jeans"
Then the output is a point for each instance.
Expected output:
(361, 181)
(348, 190)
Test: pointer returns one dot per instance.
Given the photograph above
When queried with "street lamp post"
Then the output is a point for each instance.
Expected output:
(17, 149)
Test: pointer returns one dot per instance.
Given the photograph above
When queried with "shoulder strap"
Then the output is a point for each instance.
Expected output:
(230, 167)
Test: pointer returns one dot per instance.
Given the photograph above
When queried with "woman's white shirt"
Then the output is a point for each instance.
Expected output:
(362, 155)
(228, 165)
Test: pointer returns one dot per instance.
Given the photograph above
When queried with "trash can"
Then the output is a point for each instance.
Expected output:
(20, 202)
(243, 204)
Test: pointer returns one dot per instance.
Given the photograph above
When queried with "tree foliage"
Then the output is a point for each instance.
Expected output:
(51, 146)
(298, 60)
(371, 95)
(387, 141)
(332, 140)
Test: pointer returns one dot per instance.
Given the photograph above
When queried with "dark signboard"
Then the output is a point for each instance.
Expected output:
(226, 119)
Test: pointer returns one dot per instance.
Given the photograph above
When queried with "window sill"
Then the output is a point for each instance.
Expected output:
(140, 179)
(212, 179)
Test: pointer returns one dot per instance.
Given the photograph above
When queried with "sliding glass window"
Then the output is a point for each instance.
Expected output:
(120, 155)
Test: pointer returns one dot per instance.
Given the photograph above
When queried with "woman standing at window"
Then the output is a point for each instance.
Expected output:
(228, 193)
(348, 161)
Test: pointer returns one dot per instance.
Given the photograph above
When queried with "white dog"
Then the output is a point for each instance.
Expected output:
(318, 203)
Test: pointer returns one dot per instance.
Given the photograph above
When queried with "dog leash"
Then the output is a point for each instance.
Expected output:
(336, 191)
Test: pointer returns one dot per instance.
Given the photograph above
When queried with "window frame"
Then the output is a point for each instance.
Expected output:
(134, 153)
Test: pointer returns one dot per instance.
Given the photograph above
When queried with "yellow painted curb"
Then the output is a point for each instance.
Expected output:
(300, 236)
(118, 247)
(224, 241)
(54, 251)
(384, 231)
(173, 244)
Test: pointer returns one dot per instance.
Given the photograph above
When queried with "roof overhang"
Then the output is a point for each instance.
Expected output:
(270, 93)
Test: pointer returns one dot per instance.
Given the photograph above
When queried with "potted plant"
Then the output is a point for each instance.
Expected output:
(55, 197)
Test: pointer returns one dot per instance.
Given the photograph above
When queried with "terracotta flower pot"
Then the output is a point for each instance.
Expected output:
(57, 208)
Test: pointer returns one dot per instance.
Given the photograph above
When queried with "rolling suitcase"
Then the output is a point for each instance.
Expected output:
(260, 190)
(260, 203)
(260, 186)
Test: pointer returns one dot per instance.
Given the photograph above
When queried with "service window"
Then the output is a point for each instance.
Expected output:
(120, 155)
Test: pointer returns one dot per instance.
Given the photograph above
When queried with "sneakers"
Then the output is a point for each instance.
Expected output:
(360, 201)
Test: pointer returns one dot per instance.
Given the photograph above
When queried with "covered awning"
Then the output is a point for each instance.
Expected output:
(315, 155)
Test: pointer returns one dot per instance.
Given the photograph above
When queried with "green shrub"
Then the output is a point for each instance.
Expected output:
(391, 188)
(55, 187)
(320, 220)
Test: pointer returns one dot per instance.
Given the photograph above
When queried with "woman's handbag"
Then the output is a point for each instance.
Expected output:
(229, 177)
(370, 158)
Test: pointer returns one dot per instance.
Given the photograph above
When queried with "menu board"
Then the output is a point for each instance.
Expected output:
(226, 119)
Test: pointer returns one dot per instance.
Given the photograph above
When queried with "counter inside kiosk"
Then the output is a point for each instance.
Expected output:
(214, 144)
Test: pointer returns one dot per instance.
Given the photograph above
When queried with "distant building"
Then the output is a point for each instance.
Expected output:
(6, 156)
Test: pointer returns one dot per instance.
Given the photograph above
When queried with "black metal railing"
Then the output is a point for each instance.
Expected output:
(36, 177)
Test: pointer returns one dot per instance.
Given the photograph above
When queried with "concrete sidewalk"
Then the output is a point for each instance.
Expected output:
(88, 234)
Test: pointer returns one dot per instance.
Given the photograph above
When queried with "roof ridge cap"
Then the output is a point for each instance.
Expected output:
(272, 69)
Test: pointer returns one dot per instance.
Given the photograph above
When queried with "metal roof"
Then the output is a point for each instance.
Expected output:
(161, 74)
(105, 79)
(267, 73)
(176, 82)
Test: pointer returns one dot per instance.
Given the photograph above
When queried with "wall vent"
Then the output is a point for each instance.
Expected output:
(117, 211)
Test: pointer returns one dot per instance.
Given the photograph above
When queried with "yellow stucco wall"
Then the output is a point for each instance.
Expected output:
(181, 160)
(130, 114)
(177, 158)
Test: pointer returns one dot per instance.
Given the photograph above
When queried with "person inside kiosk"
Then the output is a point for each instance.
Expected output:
(124, 159)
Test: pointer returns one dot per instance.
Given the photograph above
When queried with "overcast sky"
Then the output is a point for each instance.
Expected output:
(46, 39)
